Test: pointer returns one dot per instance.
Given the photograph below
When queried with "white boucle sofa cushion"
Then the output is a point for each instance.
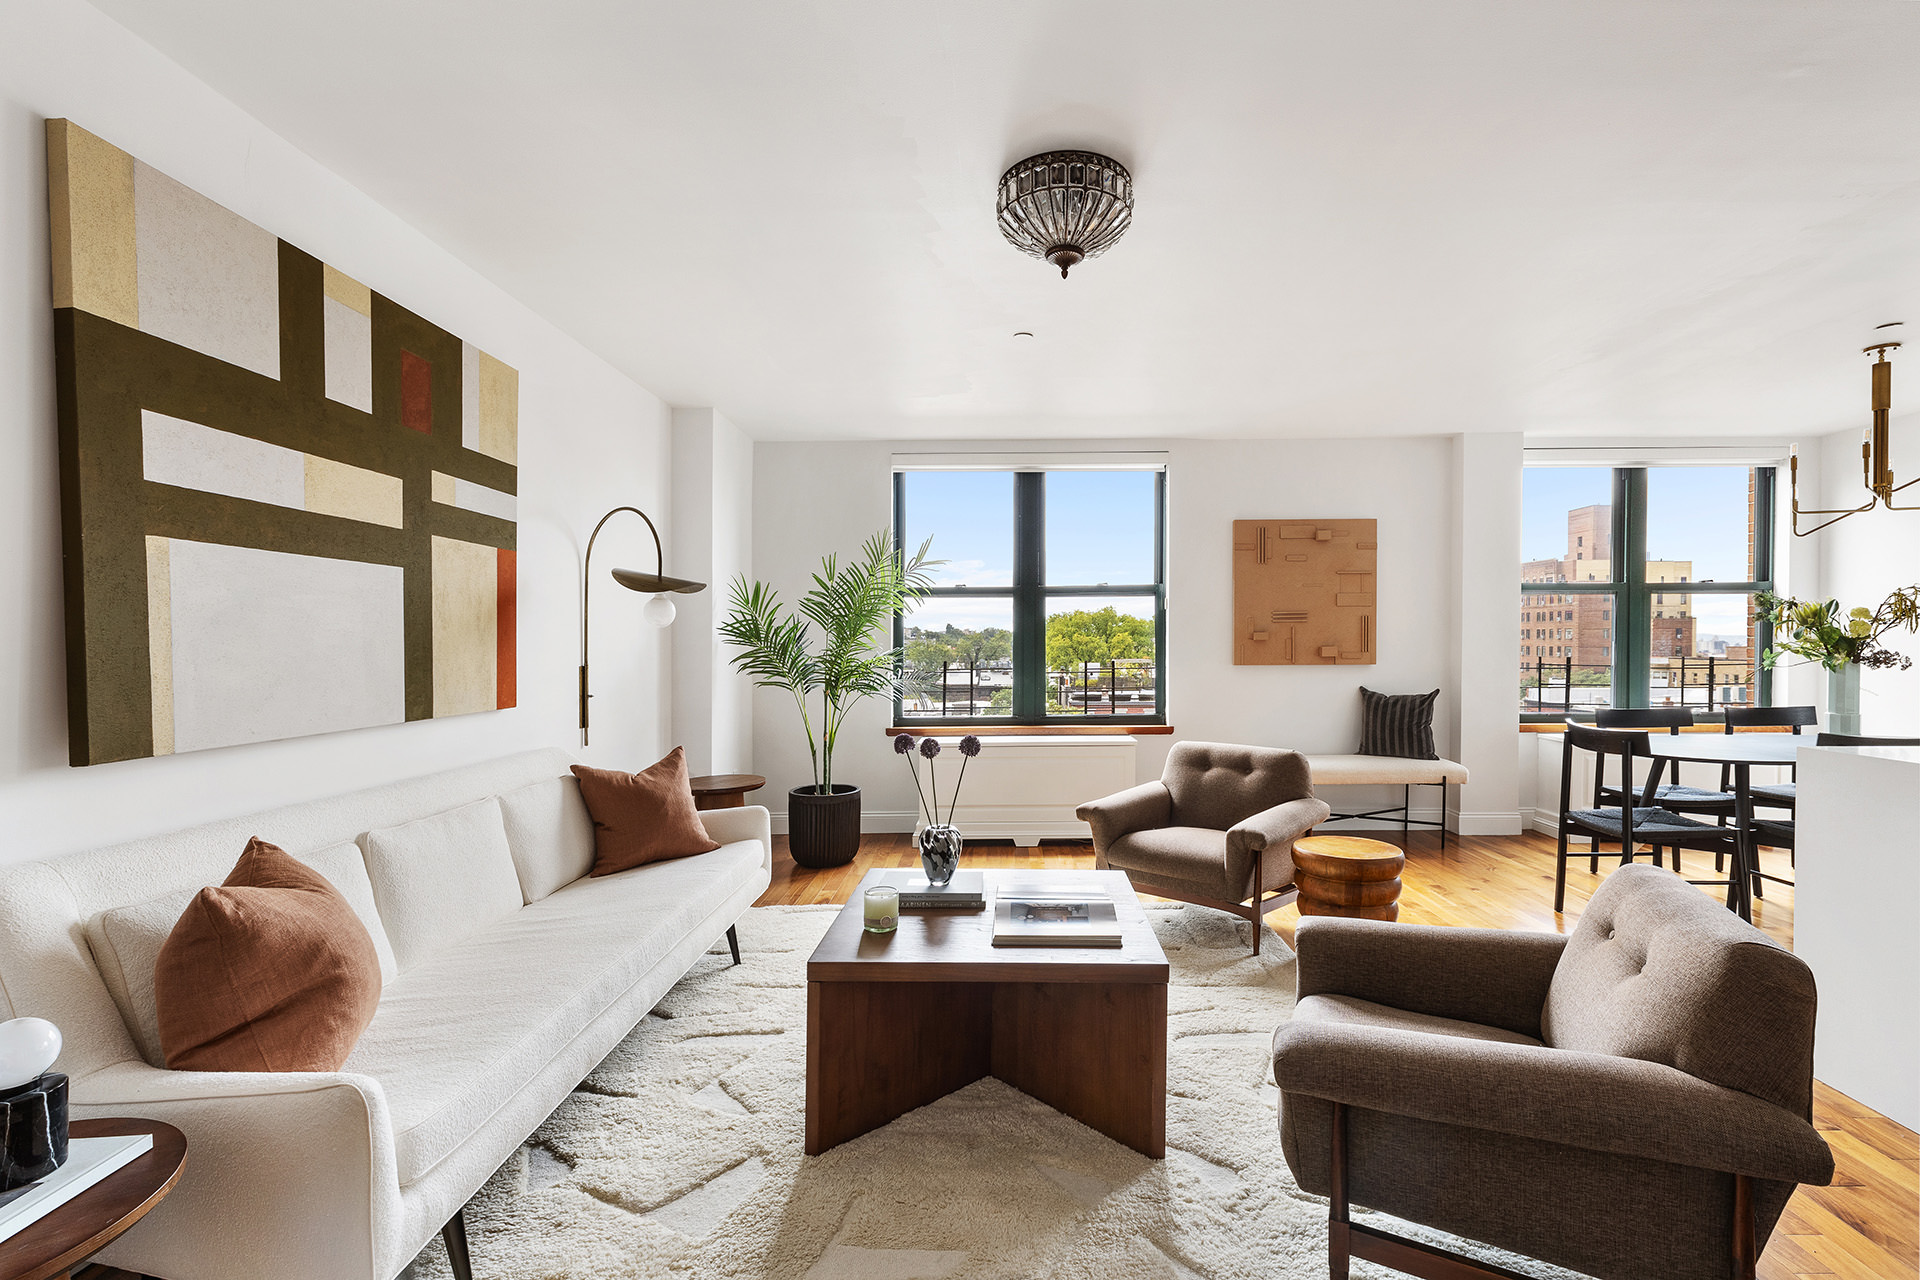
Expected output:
(550, 834)
(1354, 771)
(462, 1033)
(127, 940)
(442, 879)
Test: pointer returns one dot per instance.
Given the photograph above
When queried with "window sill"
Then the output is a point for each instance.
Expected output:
(1030, 730)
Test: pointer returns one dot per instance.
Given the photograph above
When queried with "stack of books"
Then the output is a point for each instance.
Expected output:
(967, 891)
(1043, 915)
(89, 1160)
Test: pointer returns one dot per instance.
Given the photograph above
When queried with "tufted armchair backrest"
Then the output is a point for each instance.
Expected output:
(1217, 784)
(1658, 971)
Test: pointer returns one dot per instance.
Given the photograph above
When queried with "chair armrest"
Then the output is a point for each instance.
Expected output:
(1136, 809)
(745, 822)
(287, 1173)
(1497, 977)
(1277, 827)
(1592, 1101)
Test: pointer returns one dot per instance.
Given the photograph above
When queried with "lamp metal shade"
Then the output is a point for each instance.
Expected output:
(654, 583)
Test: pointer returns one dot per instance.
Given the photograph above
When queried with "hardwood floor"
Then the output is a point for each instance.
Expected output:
(1866, 1226)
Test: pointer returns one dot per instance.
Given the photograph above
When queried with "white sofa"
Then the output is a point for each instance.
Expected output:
(509, 975)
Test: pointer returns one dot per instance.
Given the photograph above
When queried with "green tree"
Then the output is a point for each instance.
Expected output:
(1099, 635)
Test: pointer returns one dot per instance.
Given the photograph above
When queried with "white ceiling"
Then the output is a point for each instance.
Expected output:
(1380, 217)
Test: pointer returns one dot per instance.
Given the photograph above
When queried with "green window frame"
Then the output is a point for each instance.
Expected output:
(1633, 596)
(1029, 593)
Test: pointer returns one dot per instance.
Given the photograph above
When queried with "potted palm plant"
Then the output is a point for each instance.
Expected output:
(853, 605)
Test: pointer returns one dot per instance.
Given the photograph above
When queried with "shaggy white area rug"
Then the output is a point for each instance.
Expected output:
(680, 1156)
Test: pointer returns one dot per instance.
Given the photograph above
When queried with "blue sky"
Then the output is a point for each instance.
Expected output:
(1693, 513)
(1099, 529)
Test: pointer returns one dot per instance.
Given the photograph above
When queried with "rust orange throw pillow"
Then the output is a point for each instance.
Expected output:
(270, 971)
(642, 817)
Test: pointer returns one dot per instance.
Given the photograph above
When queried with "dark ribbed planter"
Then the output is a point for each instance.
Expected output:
(823, 831)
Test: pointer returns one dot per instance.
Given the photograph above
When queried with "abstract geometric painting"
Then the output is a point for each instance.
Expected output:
(288, 502)
(1303, 593)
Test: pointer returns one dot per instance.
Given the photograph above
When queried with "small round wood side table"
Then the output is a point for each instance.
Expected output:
(724, 790)
(1347, 876)
(56, 1245)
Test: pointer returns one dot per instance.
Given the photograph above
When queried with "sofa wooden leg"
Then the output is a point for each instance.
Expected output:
(1339, 1245)
(455, 1236)
(1745, 1260)
(733, 942)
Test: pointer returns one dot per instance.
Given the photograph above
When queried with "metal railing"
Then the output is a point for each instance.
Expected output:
(1118, 687)
(1710, 684)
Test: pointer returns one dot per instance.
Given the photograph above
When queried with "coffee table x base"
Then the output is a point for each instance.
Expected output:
(897, 1021)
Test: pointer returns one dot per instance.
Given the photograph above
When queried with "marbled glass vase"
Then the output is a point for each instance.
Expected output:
(940, 847)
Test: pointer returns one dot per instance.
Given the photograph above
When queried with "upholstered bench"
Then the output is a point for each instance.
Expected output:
(1398, 771)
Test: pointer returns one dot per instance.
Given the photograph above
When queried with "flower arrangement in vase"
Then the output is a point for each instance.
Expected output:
(939, 842)
(1814, 630)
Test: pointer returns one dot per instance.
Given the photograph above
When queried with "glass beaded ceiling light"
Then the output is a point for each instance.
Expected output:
(1065, 206)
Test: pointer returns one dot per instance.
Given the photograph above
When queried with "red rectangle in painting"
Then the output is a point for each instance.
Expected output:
(506, 654)
(416, 392)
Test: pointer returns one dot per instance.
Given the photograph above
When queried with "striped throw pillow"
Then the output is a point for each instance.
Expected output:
(1397, 724)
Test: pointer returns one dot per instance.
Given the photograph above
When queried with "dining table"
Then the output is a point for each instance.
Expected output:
(1741, 751)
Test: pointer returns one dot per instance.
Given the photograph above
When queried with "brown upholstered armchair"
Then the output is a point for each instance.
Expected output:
(1216, 830)
(1628, 1101)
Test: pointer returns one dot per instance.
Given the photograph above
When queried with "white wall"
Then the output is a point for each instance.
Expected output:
(1866, 557)
(814, 498)
(590, 439)
(1486, 642)
(713, 543)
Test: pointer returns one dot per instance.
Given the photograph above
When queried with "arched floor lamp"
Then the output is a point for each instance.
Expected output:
(658, 612)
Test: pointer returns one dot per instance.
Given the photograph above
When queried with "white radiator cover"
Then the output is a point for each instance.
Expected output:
(1026, 788)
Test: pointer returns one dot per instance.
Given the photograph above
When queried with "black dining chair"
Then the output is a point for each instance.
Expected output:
(1630, 819)
(1777, 833)
(1767, 795)
(1670, 795)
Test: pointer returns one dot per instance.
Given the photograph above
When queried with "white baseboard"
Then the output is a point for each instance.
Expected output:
(1489, 822)
(1545, 821)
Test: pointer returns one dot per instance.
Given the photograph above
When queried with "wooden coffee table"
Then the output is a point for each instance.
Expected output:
(1347, 876)
(56, 1245)
(895, 1021)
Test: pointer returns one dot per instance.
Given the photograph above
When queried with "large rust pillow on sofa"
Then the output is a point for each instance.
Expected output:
(270, 971)
(642, 817)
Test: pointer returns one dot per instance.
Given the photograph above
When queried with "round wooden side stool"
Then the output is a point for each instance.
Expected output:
(724, 790)
(1347, 876)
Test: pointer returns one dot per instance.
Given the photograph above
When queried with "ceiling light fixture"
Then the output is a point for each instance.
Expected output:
(1065, 206)
(1875, 460)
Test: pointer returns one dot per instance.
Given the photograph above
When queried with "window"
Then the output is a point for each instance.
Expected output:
(1636, 641)
(1051, 606)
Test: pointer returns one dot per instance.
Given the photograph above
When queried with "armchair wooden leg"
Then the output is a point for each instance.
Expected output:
(1339, 1244)
(733, 942)
(1744, 1255)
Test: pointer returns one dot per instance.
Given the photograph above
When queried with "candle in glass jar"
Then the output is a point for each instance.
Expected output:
(882, 910)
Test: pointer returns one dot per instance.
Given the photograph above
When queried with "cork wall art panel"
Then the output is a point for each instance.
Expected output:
(1305, 592)
(288, 502)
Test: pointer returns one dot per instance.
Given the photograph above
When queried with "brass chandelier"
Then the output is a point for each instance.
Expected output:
(1875, 460)
(1065, 206)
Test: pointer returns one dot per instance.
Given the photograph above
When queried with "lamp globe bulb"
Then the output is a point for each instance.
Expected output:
(659, 611)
